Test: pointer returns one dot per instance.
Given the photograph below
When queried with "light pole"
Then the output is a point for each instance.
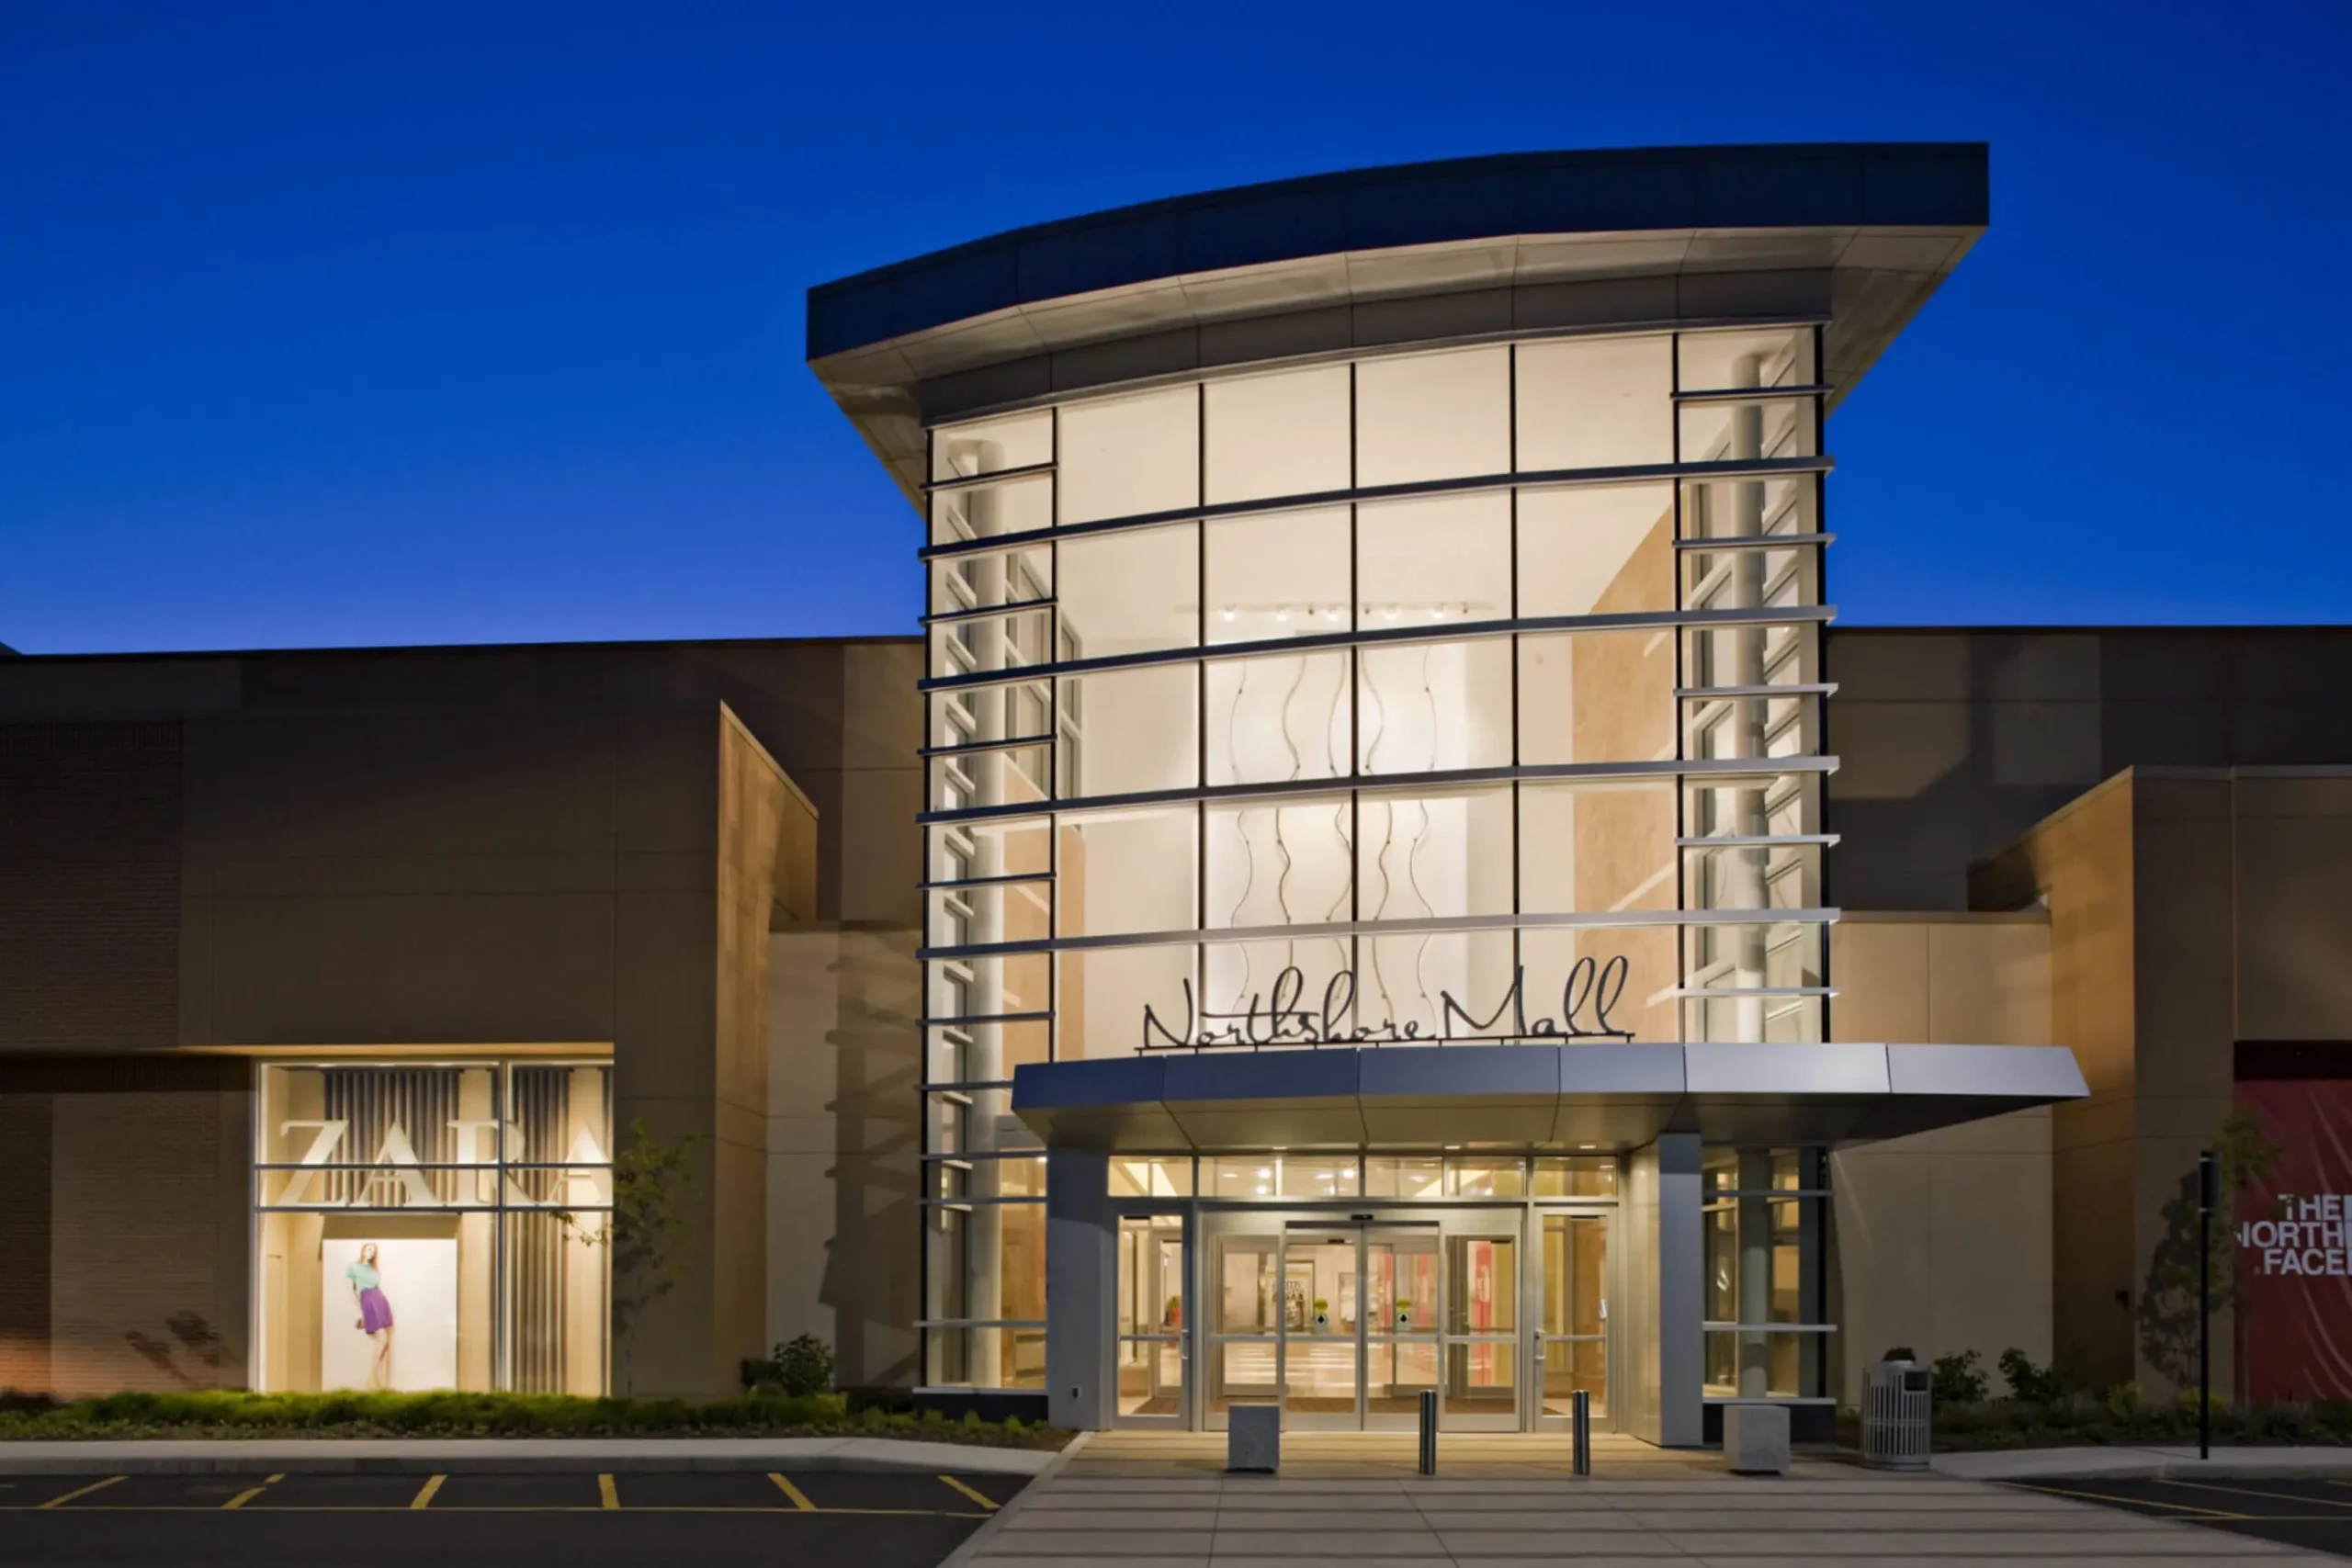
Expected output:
(2205, 1184)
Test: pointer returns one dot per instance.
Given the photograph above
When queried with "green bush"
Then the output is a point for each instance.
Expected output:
(1958, 1379)
(2028, 1383)
(768, 1411)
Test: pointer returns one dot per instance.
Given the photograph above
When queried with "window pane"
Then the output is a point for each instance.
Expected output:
(1281, 435)
(1596, 404)
(1014, 773)
(1432, 416)
(1010, 710)
(1167, 1175)
(1596, 697)
(1735, 432)
(1430, 561)
(1282, 575)
(1597, 981)
(1726, 579)
(986, 511)
(1124, 871)
(1733, 509)
(1118, 1000)
(1587, 847)
(1130, 593)
(1437, 854)
(992, 445)
(1404, 983)
(992, 642)
(990, 579)
(1386, 1176)
(1773, 357)
(1484, 1178)
(1277, 718)
(1128, 457)
(1290, 993)
(1595, 550)
(1423, 707)
(1279, 864)
(1129, 732)
(1750, 655)
(1572, 1178)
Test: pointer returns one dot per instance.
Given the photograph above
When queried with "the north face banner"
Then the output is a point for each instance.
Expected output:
(2294, 1263)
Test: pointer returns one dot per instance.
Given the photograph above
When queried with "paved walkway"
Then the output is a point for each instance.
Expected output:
(1159, 1501)
(425, 1456)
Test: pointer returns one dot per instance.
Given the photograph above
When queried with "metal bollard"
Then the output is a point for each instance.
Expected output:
(1428, 1431)
(1580, 1431)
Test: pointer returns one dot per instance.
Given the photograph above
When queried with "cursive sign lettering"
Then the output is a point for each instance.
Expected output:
(1278, 1017)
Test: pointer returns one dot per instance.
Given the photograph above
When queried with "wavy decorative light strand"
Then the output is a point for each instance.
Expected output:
(1240, 827)
(1420, 841)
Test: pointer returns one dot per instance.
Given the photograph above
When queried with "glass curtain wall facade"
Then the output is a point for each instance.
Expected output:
(1469, 695)
(433, 1225)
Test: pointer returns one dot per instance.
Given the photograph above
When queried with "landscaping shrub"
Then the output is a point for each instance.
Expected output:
(209, 1414)
(1958, 1379)
(2028, 1382)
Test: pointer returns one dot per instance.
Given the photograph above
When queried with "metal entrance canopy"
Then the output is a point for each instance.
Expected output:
(1592, 1096)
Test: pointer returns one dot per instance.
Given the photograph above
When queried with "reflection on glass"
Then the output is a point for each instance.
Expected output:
(992, 510)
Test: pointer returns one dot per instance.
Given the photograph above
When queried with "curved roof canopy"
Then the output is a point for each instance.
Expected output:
(1857, 235)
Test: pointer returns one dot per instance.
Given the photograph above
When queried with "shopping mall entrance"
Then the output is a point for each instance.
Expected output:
(1344, 1319)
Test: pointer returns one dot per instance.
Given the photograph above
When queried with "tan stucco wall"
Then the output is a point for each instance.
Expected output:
(1943, 1239)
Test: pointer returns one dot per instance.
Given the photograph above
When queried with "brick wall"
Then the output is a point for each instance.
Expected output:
(89, 886)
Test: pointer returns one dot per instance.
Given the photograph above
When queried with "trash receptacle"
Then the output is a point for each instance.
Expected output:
(1895, 1413)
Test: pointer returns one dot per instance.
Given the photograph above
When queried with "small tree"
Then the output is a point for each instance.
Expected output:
(651, 1179)
(2243, 1157)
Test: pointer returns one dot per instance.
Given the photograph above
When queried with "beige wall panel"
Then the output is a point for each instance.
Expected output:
(1989, 982)
(1944, 1239)
(842, 1169)
(1885, 1257)
(1880, 968)
(2293, 841)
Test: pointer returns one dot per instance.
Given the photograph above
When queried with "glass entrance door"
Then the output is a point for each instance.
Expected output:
(1152, 1316)
(1481, 1331)
(1321, 1333)
(1400, 1324)
(1572, 1339)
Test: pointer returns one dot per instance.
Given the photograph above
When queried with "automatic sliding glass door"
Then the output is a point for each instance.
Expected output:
(1572, 1339)
(1151, 1321)
(1401, 1324)
(1482, 1331)
(1321, 1334)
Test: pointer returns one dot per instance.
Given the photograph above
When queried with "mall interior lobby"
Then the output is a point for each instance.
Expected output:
(1379, 873)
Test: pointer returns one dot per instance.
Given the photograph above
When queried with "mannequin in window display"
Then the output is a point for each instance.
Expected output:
(366, 1277)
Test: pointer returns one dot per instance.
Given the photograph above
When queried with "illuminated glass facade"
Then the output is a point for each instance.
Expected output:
(1433, 696)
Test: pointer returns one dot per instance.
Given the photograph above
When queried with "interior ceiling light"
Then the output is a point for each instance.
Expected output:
(1228, 611)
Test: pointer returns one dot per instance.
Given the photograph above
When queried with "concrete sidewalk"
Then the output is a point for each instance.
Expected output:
(1118, 1501)
(2168, 1463)
(425, 1456)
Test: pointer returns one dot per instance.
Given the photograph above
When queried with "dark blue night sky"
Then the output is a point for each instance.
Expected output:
(329, 324)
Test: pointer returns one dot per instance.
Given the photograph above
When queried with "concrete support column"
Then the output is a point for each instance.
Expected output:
(1665, 1348)
(1754, 1217)
(1081, 1276)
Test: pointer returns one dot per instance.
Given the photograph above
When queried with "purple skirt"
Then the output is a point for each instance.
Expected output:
(375, 1312)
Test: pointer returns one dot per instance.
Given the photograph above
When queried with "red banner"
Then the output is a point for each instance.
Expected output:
(2294, 1261)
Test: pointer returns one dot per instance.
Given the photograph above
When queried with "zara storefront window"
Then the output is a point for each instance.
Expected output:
(1462, 694)
(433, 1225)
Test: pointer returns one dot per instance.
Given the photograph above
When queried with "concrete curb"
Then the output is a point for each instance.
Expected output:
(411, 1456)
(976, 1541)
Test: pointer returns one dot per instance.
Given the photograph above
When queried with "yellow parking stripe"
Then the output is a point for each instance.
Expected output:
(2190, 1508)
(249, 1494)
(605, 1490)
(2252, 1491)
(984, 1502)
(424, 1498)
(799, 1498)
(83, 1492)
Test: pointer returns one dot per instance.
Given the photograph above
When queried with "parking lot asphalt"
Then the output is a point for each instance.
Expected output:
(2310, 1513)
(896, 1521)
